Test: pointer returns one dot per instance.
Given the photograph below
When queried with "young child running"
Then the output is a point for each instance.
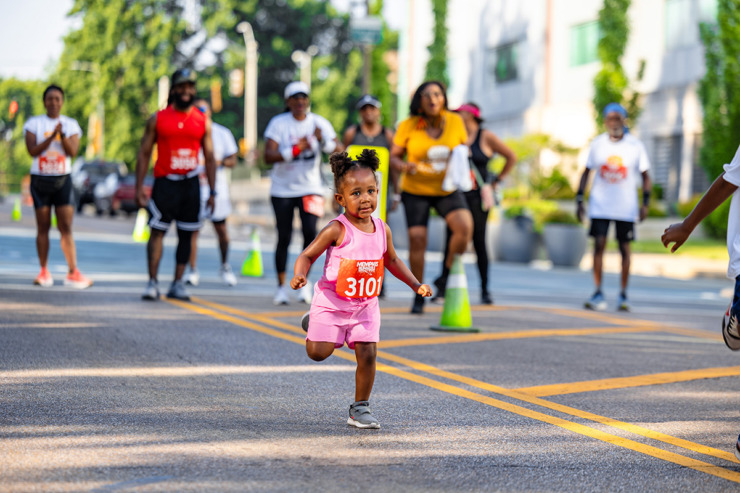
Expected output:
(725, 185)
(345, 303)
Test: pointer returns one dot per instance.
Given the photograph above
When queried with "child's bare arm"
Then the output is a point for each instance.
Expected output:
(396, 267)
(716, 194)
(326, 237)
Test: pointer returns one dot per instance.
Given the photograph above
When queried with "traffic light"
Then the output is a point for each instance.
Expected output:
(216, 104)
(13, 109)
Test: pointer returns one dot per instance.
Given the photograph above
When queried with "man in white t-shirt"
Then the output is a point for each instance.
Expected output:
(620, 163)
(53, 140)
(224, 152)
(294, 142)
(724, 186)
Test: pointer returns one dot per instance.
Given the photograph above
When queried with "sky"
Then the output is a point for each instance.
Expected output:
(31, 37)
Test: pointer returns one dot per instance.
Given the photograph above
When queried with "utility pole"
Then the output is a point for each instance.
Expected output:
(250, 93)
(368, 61)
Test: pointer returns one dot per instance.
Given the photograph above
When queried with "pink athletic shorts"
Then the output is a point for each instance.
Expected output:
(359, 324)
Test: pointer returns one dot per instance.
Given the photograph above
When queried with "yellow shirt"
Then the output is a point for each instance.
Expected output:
(430, 155)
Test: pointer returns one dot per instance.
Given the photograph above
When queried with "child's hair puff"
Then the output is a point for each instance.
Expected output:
(341, 163)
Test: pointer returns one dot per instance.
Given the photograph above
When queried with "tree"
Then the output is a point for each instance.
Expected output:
(437, 64)
(15, 162)
(717, 90)
(611, 84)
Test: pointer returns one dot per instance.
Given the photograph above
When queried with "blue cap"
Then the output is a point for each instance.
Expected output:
(615, 107)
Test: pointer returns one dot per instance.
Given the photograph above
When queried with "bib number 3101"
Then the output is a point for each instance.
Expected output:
(360, 278)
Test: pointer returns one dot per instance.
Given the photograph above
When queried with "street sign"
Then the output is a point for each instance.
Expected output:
(366, 30)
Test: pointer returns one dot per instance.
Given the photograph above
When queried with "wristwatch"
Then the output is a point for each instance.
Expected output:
(213, 192)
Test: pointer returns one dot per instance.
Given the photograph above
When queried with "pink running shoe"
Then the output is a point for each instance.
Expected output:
(44, 278)
(77, 280)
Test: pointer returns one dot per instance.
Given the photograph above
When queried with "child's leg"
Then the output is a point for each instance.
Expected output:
(365, 353)
(319, 351)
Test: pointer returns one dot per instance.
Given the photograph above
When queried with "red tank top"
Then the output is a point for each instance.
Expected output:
(179, 135)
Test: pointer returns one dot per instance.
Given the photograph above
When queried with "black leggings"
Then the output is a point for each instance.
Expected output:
(480, 218)
(284, 212)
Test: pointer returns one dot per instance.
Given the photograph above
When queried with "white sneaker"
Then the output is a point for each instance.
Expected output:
(193, 278)
(228, 275)
(281, 296)
(305, 294)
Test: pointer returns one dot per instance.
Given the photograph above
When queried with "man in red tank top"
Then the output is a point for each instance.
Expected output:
(179, 131)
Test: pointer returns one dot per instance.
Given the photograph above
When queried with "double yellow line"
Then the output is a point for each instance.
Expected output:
(261, 323)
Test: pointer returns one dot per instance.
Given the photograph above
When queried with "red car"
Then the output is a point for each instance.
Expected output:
(125, 197)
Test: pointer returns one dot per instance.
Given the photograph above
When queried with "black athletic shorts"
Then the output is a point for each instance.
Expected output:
(625, 229)
(175, 201)
(417, 207)
(51, 190)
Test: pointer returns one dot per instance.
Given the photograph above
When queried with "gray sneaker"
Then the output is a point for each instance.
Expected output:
(178, 291)
(361, 416)
(596, 302)
(304, 322)
(152, 291)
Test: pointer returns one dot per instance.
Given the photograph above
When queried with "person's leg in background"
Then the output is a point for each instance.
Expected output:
(283, 207)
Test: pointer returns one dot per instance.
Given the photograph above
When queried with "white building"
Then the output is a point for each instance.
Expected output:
(530, 65)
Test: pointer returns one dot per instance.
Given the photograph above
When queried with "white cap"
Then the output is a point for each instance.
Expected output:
(296, 87)
(368, 99)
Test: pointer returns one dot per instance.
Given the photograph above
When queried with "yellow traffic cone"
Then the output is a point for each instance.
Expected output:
(456, 312)
(141, 227)
(17, 214)
(252, 265)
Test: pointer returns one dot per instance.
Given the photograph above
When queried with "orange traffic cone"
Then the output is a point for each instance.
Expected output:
(456, 311)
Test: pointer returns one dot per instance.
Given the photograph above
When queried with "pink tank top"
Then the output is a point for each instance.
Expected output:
(353, 271)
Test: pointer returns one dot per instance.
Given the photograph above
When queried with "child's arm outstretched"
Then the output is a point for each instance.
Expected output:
(332, 234)
(396, 267)
(716, 194)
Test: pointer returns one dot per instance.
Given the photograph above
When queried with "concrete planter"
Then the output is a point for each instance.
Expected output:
(565, 243)
(517, 240)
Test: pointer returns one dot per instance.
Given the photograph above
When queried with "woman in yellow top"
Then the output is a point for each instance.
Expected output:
(421, 148)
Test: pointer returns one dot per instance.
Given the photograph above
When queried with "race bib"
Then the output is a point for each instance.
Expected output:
(314, 204)
(52, 163)
(360, 278)
(184, 160)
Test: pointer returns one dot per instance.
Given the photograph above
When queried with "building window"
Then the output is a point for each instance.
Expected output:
(708, 11)
(505, 62)
(584, 43)
(679, 31)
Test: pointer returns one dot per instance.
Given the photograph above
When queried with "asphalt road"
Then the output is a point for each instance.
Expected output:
(100, 391)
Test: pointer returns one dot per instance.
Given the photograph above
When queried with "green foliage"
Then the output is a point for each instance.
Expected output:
(611, 84)
(560, 216)
(554, 186)
(715, 224)
(684, 208)
(437, 64)
(537, 209)
(15, 161)
(718, 88)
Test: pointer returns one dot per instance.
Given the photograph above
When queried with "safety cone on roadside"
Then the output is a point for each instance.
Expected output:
(141, 228)
(252, 265)
(456, 311)
(16, 214)
(53, 219)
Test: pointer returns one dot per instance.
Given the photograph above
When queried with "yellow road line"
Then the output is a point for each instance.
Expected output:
(390, 309)
(624, 382)
(638, 430)
(518, 334)
(601, 317)
(575, 427)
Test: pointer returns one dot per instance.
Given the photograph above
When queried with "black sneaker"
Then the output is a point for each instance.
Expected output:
(737, 448)
(418, 306)
(304, 322)
(441, 284)
(485, 298)
(730, 332)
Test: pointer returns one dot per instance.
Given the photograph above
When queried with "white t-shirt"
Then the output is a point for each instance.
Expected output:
(302, 175)
(732, 175)
(224, 145)
(619, 167)
(53, 161)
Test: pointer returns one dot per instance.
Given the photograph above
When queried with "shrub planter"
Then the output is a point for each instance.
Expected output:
(517, 240)
(565, 243)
